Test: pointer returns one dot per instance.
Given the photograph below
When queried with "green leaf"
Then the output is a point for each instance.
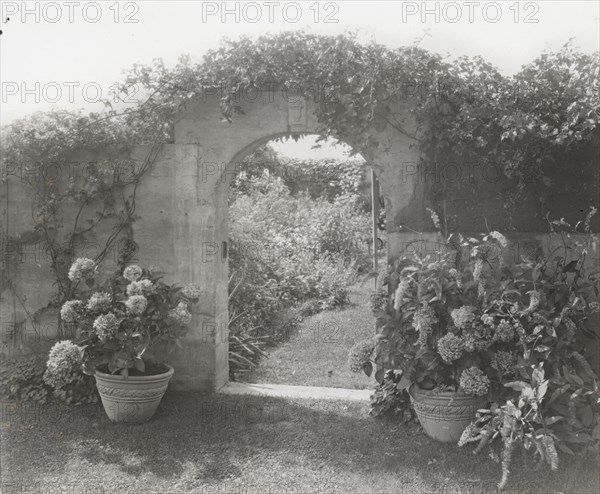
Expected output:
(541, 389)
(553, 420)
(368, 368)
(586, 415)
(517, 385)
(138, 363)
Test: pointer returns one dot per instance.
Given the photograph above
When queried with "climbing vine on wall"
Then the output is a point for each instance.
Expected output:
(524, 127)
(72, 201)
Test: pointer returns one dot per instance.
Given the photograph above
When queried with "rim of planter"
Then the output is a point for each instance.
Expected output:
(120, 378)
(432, 392)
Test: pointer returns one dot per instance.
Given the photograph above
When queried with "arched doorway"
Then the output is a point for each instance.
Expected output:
(301, 271)
(201, 164)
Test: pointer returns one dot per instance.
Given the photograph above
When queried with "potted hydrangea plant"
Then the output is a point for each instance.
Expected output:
(119, 324)
(441, 333)
(523, 335)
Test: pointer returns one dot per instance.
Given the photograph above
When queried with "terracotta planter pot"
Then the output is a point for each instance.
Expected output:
(134, 399)
(444, 414)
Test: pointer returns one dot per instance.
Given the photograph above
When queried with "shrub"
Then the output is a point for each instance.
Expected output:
(287, 252)
(360, 355)
(23, 379)
(520, 334)
(390, 398)
(65, 375)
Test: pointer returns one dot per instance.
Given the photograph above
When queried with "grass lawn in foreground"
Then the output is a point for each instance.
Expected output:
(317, 353)
(230, 444)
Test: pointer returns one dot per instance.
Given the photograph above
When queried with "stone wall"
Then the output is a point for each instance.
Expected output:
(183, 211)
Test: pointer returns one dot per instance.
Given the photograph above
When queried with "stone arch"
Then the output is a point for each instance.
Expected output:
(204, 157)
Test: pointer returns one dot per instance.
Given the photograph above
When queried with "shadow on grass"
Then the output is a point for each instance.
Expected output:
(195, 441)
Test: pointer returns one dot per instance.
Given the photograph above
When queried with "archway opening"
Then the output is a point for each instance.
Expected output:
(302, 275)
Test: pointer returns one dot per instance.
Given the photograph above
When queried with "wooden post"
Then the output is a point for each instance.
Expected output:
(375, 213)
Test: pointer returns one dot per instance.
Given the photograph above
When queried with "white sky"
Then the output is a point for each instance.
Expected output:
(81, 52)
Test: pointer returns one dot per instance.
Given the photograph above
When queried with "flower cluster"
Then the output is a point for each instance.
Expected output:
(141, 287)
(132, 273)
(181, 314)
(487, 320)
(423, 321)
(99, 302)
(71, 310)
(435, 218)
(106, 326)
(191, 291)
(400, 291)
(83, 268)
(450, 347)
(550, 451)
(360, 354)
(63, 358)
(137, 304)
(569, 325)
(463, 317)
(504, 331)
(474, 382)
(501, 239)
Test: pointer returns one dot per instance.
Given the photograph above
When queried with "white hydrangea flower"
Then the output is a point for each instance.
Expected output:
(487, 320)
(132, 273)
(463, 316)
(191, 290)
(137, 304)
(501, 239)
(106, 326)
(70, 310)
(82, 268)
(181, 314)
(99, 302)
(64, 358)
(141, 287)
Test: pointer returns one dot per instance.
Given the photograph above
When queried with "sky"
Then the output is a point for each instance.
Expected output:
(68, 54)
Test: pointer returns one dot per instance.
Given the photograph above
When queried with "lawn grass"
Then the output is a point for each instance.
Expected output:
(230, 444)
(316, 354)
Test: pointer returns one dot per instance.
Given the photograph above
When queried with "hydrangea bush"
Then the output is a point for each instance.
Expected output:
(524, 335)
(120, 321)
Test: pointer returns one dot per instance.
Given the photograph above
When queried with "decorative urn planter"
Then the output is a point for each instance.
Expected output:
(133, 399)
(444, 414)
